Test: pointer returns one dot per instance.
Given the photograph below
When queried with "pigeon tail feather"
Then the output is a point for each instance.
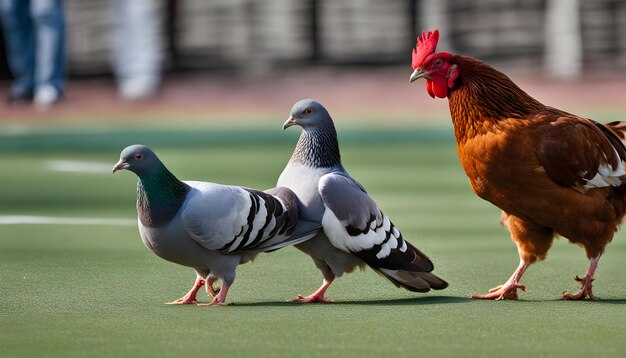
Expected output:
(414, 275)
(413, 281)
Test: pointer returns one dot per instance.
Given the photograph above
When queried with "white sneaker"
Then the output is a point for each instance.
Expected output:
(136, 89)
(45, 96)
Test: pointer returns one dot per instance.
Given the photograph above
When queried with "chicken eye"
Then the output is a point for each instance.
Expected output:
(308, 111)
(437, 62)
(138, 156)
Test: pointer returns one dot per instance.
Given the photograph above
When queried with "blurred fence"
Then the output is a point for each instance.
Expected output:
(265, 36)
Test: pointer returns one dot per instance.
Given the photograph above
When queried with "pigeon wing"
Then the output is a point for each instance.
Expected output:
(354, 223)
(235, 220)
(287, 216)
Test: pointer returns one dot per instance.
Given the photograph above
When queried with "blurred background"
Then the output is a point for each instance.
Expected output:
(224, 56)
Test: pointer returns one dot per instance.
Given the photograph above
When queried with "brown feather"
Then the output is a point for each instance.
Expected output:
(531, 161)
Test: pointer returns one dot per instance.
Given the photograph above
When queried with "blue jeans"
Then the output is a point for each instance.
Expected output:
(34, 33)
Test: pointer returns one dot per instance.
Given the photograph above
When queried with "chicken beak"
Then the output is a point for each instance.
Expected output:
(419, 73)
(120, 165)
(291, 121)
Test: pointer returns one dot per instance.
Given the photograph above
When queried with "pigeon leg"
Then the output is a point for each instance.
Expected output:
(508, 290)
(585, 282)
(317, 296)
(220, 299)
(190, 297)
(210, 290)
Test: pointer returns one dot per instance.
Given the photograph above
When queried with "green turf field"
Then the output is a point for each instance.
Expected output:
(96, 291)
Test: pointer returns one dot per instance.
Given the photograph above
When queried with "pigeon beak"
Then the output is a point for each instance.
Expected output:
(419, 72)
(291, 121)
(120, 165)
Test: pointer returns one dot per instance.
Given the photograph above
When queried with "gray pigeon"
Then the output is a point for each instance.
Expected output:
(356, 232)
(209, 227)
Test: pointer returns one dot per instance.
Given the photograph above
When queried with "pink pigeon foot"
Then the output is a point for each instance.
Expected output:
(317, 296)
(220, 299)
(190, 297)
(210, 290)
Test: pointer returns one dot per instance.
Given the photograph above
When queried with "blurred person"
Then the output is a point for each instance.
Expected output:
(34, 33)
(137, 48)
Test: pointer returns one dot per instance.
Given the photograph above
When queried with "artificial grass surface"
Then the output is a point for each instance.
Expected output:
(71, 290)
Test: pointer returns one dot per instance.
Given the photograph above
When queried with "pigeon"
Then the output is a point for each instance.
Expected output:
(209, 227)
(355, 231)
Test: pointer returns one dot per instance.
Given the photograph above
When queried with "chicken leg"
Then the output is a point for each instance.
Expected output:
(585, 281)
(507, 290)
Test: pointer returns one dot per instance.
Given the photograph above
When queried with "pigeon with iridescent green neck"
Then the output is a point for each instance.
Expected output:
(209, 227)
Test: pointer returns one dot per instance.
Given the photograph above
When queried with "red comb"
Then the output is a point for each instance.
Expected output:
(426, 45)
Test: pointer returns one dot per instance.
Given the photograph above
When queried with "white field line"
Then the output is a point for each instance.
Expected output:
(56, 220)
(73, 166)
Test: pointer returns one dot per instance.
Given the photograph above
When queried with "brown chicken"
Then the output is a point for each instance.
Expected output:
(551, 172)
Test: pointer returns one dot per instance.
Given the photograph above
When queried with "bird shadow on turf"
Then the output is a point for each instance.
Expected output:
(613, 301)
(429, 300)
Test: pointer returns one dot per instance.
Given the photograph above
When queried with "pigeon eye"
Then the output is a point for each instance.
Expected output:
(138, 156)
(308, 111)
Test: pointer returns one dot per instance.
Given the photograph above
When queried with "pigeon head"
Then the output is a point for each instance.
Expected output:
(137, 158)
(308, 114)
(317, 145)
(159, 193)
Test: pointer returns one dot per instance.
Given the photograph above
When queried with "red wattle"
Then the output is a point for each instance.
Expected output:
(440, 87)
(429, 88)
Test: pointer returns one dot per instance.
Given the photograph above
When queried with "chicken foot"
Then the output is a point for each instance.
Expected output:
(585, 281)
(508, 290)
